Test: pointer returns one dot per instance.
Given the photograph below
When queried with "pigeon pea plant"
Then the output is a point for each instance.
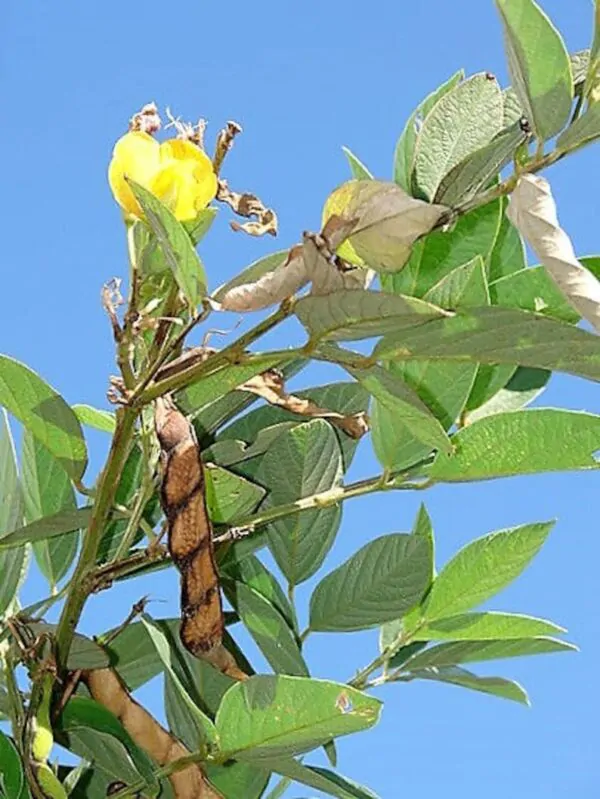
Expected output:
(466, 336)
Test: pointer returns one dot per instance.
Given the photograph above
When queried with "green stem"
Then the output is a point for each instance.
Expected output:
(333, 496)
(16, 709)
(163, 771)
(231, 354)
(304, 635)
(107, 487)
(537, 164)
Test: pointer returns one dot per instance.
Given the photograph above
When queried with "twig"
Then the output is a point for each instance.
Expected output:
(229, 354)
(225, 141)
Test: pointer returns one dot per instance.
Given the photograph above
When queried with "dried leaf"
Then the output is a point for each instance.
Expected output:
(326, 270)
(314, 261)
(283, 281)
(270, 386)
(248, 205)
(532, 211)
(387, 221)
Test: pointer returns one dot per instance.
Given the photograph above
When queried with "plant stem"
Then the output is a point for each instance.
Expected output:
(231, 354)
(16, 710)
(107, 486)
(333, 496)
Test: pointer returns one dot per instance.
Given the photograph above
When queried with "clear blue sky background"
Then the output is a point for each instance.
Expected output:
(303, 79)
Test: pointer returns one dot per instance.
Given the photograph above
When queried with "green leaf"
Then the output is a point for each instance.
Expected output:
(398, 411)
(95, 734)
(449, 654)
(44, 413)
(59, 524)
(128, 487)
(485, 626)
(489, 380)
(277, 716)
(134, 655)
(585, 129)
(381, 582)
(356, 314)
(238, 780)
(321, 779)
(532, 289)
(443, 387)
(423, 529)
(497, 686)
(253, 573)
(460, 123)
(279, 788)
(303, 461)
(13, 562)
(258, 427)
(229, 497)
(463, 287)
(176, 244)
(521, 442)
(440, 252)
(404, 155)
(217, 384)
(498, 335)
(524, 386)
(358, 169)
(268, 628)
(539, 66)
(198, 228)
(47, 490)
(483, 568)
(136, 659)
(84, 653)
(12, 774)
(252, 273)
(204, 728)
(225, 408)
(92, 417)
(508, 253)
(475, 172)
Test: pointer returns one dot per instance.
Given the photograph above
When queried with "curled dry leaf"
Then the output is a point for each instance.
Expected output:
(386, 221)
(190, 539)
(107, 689)
(532, 211)
(326, 271)
(248, 205)
(270, 386)
(283, 281)
(313, 262)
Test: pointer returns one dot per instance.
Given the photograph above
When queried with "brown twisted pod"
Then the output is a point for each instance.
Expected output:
(190, 539)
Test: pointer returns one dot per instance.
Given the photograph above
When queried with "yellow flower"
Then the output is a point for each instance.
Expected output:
(336, 204)
(177, 172)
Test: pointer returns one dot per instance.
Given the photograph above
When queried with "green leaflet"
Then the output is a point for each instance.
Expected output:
(268, 717)
(461, 122)
(381, 582)
(539, 66)
(44, 413)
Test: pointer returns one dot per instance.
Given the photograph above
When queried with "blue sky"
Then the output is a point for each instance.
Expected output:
(303, 79)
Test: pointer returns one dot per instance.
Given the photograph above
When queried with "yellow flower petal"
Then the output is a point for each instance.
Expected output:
(186, 181)
(137, 156)
(336, 204)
